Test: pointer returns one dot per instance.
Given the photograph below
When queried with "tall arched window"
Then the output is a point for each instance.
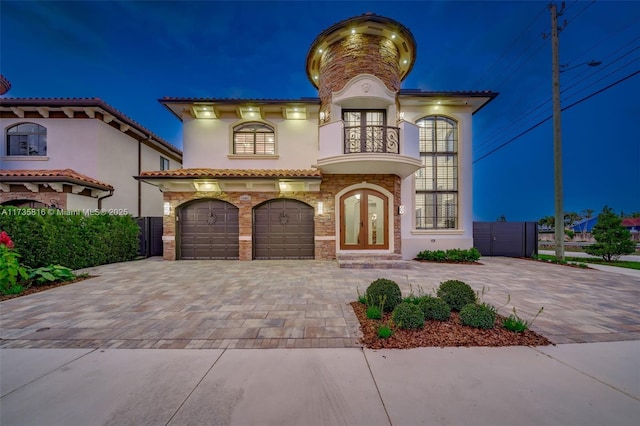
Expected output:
(254, 139)
(437, 180)
(27, 139)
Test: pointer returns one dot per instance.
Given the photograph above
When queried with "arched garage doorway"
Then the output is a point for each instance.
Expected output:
(283, 229)
(208, 229)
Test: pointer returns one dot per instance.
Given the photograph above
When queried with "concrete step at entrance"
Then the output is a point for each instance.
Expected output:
(373, 261)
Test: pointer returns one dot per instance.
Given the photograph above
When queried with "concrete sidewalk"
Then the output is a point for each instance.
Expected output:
(623, 271)
(571, 384)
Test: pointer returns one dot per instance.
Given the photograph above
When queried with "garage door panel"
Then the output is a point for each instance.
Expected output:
(283, 229)
(209, 229)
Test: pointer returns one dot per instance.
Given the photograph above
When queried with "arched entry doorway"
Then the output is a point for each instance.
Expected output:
(208, 229)
(364, 221)
(283, 229)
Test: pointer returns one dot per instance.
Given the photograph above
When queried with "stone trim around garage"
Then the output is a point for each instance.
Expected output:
(326, 239)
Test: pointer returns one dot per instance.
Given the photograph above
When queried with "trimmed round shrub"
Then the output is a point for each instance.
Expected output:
(435, 308)
(384, 332)
(374, 312)
(384, 290)
(456, 294)
(478, 316)
(408, 315)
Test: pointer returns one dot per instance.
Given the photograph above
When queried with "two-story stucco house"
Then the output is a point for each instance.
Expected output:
(366, 168)
(79, 154)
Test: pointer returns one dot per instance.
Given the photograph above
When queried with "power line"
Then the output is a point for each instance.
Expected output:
(505, 51)
(579, 13)
(549, 117)
(526, 116)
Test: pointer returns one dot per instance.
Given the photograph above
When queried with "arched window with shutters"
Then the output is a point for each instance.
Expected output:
(436, 195)
(27, 139)
(254, 139)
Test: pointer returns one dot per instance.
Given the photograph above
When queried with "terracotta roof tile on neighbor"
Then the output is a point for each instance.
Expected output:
(233, 173)
(51, 175)
(631, 221)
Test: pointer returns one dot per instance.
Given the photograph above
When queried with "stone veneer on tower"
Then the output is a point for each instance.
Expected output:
(366, 44)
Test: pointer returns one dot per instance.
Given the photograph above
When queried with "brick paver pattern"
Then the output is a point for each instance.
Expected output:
(297, 304)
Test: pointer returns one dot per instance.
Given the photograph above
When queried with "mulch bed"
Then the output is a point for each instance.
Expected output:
(37, 289)
(442, 334)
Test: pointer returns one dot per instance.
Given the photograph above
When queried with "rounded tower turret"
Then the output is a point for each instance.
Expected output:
(365, 44)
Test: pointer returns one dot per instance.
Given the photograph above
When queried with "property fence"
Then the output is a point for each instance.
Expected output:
(511, 239)
(150, 236)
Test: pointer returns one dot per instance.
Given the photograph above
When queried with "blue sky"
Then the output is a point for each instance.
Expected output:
(131, 53)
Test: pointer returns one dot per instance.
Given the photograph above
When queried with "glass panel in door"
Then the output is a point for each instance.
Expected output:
(363, 221)
(375, 230)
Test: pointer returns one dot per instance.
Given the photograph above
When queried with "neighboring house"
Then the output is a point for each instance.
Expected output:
(366, 168)
(585, 225)
(632, 224)
(79, 154)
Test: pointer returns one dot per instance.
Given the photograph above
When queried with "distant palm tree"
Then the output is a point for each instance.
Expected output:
(547, 222)
(570, 218)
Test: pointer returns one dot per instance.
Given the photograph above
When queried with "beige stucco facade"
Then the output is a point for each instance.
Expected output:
(357, 66)
(92, 141)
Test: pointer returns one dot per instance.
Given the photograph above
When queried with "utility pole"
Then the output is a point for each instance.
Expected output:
(557, 134)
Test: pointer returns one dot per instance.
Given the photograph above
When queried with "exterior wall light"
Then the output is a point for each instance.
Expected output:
(203, 111)
(296, 113)
(167, 208)
(401, 209)
(206, 186)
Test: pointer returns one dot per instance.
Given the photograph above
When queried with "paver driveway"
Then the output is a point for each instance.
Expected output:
(263, 304)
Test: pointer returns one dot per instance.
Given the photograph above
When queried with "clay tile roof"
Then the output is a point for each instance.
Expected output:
(631, 221)
(66, 175)
(232, 173)
(89, 102)
(310, 100)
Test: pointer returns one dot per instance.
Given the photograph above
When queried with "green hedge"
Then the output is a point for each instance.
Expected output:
(452, 255)
(45, 237)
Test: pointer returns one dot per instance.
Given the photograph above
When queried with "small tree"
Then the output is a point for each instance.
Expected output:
(613, 239)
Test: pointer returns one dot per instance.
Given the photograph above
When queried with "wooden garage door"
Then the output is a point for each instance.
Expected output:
(209, 230)
(283, 229)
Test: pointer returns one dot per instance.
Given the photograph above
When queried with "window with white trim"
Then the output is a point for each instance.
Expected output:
(436, 198)
(254, 139)
(27, 139)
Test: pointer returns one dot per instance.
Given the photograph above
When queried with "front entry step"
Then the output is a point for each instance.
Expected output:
(373, 261)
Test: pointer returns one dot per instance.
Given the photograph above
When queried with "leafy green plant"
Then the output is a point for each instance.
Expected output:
(412, 297)
(361, 297)
(451, 255)
(11, 272)
(478, 315)
(516, 324)
(51, 274)
(374, 312)
(408, 316)
(456, 294)
(384, 332)
(74, 240)
(385, 292)
(435, 308)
